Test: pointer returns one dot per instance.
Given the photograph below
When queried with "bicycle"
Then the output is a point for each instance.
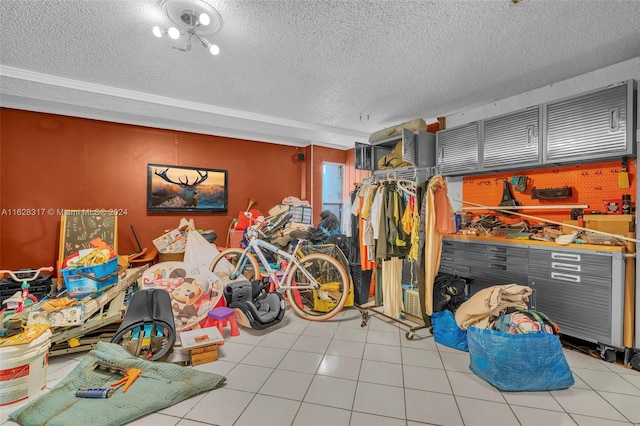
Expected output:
(27, 275)
(316, 284)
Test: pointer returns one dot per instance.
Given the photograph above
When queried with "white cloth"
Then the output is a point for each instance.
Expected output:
(295, 201)
(392, 286)
(376, 211)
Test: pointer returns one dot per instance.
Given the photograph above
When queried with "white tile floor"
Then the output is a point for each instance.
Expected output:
(339, 373)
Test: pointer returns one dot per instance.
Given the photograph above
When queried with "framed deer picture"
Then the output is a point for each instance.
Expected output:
(186, 189)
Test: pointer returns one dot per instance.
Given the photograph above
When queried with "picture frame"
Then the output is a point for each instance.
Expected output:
(186, 189)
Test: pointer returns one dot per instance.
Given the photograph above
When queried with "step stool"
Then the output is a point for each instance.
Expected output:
(219, 317)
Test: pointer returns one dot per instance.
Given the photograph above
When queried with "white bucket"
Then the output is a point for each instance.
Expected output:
(23, 370)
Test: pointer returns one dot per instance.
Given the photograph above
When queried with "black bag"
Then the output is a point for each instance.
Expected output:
(329, 225)
(448, 292)
(343, 242)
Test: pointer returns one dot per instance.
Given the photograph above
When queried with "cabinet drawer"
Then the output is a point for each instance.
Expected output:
(446, 267)
(495, 250)
(448, 245)
(499, 259)
(462, 270)
(447, 257)
(585, 281)
(510, 265)
(462, 256)
(571, 262)
(510, 251)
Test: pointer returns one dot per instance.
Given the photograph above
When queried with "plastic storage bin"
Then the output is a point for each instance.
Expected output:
(85, 281)
(301, 214)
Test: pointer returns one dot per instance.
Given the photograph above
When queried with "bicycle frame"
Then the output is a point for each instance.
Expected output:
(256, 245)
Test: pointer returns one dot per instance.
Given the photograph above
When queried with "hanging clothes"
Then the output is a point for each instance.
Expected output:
(439, 221)
(417, 248)
(392, 240)
(376, 213)
(392, 287)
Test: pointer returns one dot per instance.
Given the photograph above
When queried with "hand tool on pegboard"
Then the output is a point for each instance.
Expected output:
(623, 176)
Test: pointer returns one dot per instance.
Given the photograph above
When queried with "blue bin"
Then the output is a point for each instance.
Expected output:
(89, 280)
(518, 362)
(446, 331)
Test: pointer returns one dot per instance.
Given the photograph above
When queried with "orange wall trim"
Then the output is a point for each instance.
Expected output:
(51, 162)
(591, 184)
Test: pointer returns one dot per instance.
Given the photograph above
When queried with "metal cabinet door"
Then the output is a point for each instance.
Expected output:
(581, 310)
(591, 126)
(363, 158)
(457, 149)
(512, 140)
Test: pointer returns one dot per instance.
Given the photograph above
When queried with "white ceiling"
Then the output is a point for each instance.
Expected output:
(301, 71)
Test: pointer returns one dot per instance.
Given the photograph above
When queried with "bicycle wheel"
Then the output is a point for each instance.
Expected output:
(324, 302)
(224, 264)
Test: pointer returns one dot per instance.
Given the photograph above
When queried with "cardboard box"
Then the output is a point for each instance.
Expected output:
(204, 354)
(612, 224)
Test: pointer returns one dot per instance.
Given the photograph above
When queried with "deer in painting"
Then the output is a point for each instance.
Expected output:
(189, 194)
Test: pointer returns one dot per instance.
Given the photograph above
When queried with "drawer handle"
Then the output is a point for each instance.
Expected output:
(565, 256)
(501, 267)
(532, 299)
(503, 258)
(566, 266)
(497, 249)
(565, 277)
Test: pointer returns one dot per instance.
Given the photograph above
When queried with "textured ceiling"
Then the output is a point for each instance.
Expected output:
(300, 72)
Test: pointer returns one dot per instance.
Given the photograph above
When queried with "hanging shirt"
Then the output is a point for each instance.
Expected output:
(376, 211)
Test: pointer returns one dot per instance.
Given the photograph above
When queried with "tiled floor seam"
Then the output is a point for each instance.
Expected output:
(446, 372)
(614, 407)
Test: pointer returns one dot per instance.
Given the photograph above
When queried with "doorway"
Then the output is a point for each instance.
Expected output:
(332, 188)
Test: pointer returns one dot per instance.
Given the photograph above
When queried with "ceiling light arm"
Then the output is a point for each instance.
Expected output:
(204, 42)
(195, 21)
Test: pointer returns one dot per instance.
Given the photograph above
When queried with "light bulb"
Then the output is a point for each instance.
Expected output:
(214, 49)
(174, 33)
(204, 19)
(157, 31)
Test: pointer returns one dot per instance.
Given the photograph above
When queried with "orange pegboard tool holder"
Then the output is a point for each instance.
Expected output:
(591, 185)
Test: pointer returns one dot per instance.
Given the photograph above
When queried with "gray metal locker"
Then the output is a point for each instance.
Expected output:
(512, 140)
(457, 149)
(591, 126)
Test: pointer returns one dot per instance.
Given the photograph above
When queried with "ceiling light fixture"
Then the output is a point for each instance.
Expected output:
(192, 18)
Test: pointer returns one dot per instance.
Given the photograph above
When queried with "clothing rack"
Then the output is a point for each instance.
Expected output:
(406, 178)
(416, 174)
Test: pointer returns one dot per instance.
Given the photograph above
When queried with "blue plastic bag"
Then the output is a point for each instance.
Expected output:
(446, 331)
(518, 362)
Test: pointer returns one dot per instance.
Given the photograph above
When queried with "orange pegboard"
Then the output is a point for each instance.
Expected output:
(591, 184)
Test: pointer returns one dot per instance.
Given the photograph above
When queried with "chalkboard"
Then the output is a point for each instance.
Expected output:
(79, 227)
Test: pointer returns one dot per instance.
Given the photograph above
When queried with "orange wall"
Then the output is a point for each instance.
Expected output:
(57, 162)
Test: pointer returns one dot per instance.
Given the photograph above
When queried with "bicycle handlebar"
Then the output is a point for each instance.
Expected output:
(35, 272)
